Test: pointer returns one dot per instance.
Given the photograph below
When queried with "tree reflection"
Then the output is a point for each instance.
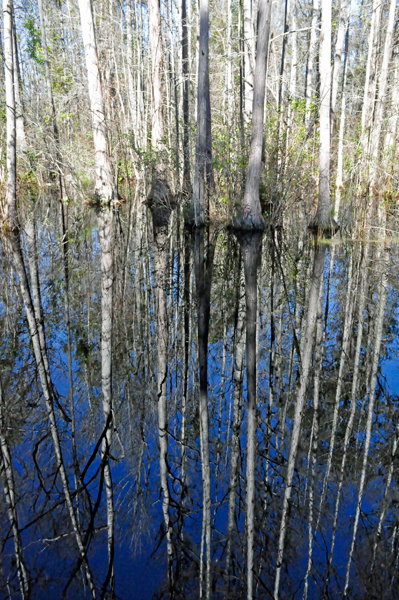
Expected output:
(229, 414)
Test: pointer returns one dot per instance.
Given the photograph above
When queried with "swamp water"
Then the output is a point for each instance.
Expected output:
(124, 406)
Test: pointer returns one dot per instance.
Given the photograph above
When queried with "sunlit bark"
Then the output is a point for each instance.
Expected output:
(251, 214)
(11, 193)
(105, 188)
(339, 48)
(203, 174)
(323, 216)
(106, 235)
(161, 269)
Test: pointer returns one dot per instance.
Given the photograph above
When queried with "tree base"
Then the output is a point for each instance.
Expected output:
(327, 229)
(247, 224)
(161, 202)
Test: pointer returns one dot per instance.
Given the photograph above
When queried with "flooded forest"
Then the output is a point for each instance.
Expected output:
(199, 300)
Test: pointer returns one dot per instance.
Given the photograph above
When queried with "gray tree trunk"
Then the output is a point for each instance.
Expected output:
(250, 216)
(203, 176)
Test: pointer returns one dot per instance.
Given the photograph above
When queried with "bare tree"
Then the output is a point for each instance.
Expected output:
(105, 185)
(250, 216)
(203, 174)
(323, 214)
(11, 194)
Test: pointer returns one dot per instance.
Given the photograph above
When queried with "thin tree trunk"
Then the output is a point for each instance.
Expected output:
(105, 231)
(363, 269)
(236, 428)
(11, 192)
(9, 491)
(315, 290)
(48, 396)
(159, 192)
(249, 59)
(186, 114)
(161, 269)
(251, 244)
(310, 78)
(19, 108)
(203, 175)
(379, 109)
(349, 305)
(203, 275)
(322, 219)
(50, 97)
(339, 180)
(314, 439)
(370, 82)
(382, 290)
(339, 47)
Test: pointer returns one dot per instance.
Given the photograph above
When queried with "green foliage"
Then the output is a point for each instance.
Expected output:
(61, 80)
(34, 40)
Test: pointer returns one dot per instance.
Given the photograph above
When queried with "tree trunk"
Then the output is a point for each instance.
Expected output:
(11, 192)
(186, 114)
(251, 244)
(203, 262)
(323, 216)
(311, 59)
(203, 175)
(105, 231)
(19, 108)
(339, 179)
(250, 216)
(339, 47)
(161, 270)
(370, 83)
(383, 284)
(105, 187)
(159, 193)
(249, 59)
(51, 98)
(379, 108)
(7, 471)
(236, 428)
(315, 290)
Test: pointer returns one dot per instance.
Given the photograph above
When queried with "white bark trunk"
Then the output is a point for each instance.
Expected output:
(105, 188)
(323, 206)
(379, 109)
(11, 193)
(339, 47)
